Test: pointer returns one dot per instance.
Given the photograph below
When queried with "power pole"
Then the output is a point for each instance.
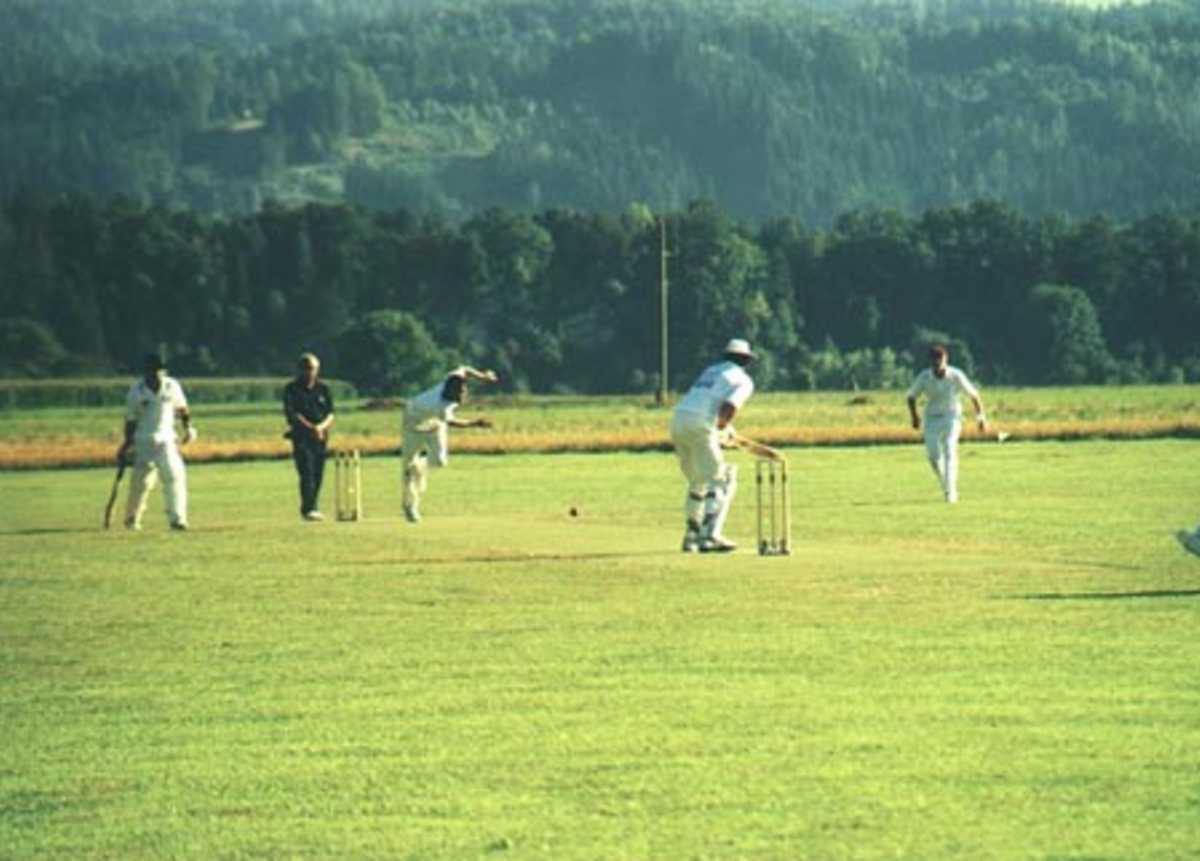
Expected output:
(663, 254)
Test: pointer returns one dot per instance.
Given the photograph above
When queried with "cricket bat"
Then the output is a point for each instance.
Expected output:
(112, 497)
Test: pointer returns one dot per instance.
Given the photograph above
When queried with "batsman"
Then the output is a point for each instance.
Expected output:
(703, 416)
(151, 409)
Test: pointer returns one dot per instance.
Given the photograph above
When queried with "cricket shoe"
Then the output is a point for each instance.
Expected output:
(411, 514)
(717, 544)
(133, 526)
(179, 526)
(314, 515)
(691, 542)
(1190, 541)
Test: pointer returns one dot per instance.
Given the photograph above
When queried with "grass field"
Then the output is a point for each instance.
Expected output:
(1013, 677)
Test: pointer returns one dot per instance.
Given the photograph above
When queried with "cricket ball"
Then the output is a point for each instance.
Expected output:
(573, 511)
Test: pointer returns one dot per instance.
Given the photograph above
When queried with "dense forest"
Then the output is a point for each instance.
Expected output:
(399, 184)
(562, 300)
(771, 108)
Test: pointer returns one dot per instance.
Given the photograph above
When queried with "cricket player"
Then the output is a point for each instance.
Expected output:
(308, 409)
(941, 383)
(427, 418)
(151, 408)
(701, 419)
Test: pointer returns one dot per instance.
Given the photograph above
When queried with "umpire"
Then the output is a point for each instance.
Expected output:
(308, 407)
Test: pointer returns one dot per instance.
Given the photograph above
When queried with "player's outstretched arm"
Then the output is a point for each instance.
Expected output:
(470, 423)
(482, 374)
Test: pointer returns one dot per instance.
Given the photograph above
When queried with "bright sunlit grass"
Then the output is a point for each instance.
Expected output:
(1012, 677)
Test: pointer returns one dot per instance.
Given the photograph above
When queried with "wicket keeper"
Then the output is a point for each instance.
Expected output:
(427, 418)
(308, 408)
(701, 418)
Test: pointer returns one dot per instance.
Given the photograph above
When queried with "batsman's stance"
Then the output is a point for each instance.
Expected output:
(427, 417)
(701, 419)
(151, 408)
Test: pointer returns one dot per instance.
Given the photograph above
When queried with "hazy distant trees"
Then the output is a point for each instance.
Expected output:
(772, 110)
(234, 180)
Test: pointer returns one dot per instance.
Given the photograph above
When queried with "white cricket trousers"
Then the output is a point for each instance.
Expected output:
(711, 483)
(941, 447)
(150, 459)
(425, 445)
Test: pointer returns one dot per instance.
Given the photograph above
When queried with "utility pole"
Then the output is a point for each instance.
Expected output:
(663, 254)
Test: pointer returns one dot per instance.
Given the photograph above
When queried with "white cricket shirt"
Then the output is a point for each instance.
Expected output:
(942, 392)
(154, 411)
(428, 409)
(724, 382)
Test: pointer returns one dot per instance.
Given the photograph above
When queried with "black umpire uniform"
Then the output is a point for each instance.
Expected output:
(307, 407)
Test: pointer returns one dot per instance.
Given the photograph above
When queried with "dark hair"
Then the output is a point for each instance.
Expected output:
(453, 388)
(938, 351)
(740, 359)
(153, 362)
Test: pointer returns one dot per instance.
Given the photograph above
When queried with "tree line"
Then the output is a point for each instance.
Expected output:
(564, 300)
(809, 109)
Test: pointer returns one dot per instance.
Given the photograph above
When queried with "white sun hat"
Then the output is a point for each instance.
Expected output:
(739, 347)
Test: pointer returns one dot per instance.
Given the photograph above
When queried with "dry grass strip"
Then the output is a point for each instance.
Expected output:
(83, 452)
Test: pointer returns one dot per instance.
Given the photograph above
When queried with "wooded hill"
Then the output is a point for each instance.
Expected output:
(770, 108)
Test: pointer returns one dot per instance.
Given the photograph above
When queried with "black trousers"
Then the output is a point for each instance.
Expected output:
(309, 455)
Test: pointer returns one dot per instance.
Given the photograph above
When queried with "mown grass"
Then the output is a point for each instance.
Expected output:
(1012, 677)
(54, 437)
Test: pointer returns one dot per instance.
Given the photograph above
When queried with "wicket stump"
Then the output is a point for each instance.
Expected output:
(774, 515)
(348, 482)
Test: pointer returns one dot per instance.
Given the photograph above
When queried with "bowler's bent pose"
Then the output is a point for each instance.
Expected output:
(427, 418)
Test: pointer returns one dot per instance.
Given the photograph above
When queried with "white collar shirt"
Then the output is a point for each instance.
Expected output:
(943, 392)
(154, 412)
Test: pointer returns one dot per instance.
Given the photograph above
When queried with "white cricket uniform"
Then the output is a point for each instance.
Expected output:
(156, 450)
(943, 421)
(711, 482)
(425, 439)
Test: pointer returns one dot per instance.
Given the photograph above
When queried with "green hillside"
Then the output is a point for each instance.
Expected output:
(767, 107)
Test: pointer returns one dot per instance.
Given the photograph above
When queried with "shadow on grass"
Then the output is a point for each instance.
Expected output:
(502, 558)
(55, 530)
(1106, 596)
(115, 530)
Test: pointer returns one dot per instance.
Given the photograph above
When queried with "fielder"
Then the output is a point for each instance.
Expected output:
(942, 384)
(703, 417)
(151, 408)
(427, 418)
